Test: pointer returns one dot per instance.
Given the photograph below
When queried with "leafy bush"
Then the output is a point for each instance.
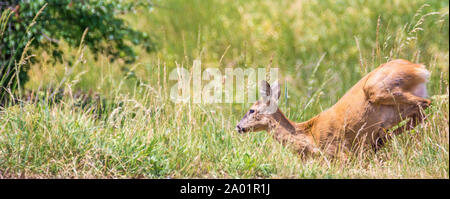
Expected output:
(107, 32)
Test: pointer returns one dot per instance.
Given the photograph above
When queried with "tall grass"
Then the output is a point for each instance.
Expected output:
(133, 130)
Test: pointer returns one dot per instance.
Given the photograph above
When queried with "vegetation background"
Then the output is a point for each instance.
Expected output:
(90, 116)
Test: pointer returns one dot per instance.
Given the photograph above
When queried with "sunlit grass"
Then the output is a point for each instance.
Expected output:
(130, 129)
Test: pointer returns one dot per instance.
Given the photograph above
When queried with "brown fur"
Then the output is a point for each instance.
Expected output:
(360, 119)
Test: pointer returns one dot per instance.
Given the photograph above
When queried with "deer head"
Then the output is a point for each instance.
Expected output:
(258, 117)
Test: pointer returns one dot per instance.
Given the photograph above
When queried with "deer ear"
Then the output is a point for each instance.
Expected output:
(276, 91)
(264, 89)
(269, 95)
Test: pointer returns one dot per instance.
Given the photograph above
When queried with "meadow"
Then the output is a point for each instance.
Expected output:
(90, 117)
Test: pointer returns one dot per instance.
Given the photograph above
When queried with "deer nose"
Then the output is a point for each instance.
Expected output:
(239, 129)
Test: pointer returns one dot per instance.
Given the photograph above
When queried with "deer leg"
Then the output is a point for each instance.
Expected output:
(335, 147)
(413, 114)
(396, 97)
(303, 146)
(395, 90)
(414, 119)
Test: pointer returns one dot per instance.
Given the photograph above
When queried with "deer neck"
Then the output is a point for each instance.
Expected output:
(298, 134)
(281, 126)
(279, 123)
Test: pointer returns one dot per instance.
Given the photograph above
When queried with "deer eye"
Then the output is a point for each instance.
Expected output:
(251, 111)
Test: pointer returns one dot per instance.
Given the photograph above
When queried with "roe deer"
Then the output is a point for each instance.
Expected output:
(393, 92)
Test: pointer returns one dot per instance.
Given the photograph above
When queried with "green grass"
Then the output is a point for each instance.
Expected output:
(321, 47)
